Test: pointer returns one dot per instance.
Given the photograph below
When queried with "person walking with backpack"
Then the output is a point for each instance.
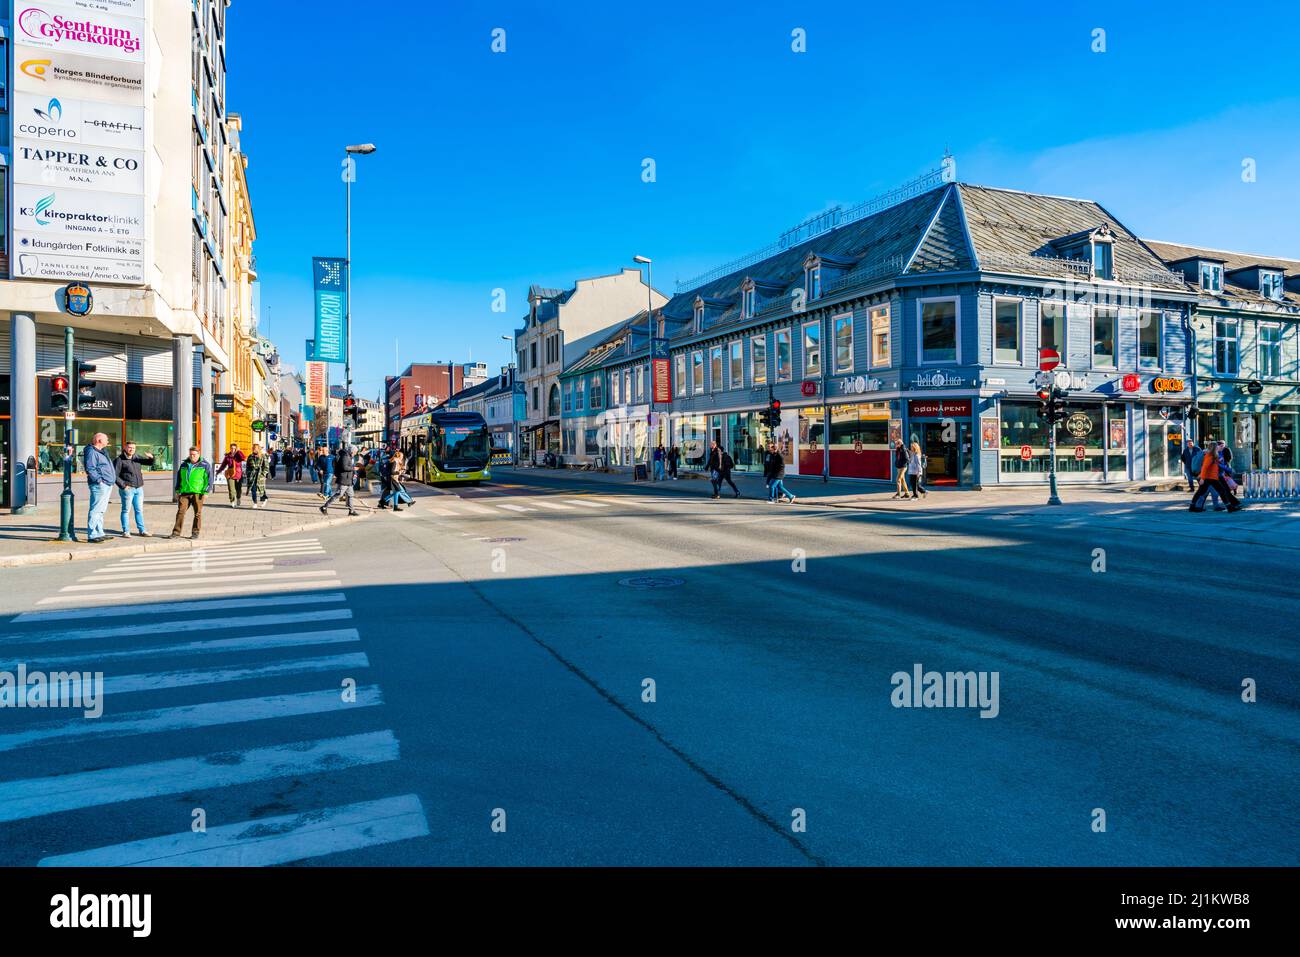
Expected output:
(193, 481)
(916, 469)
(343, 467)
(774, 473)
(256, 469)
(1212, 478)
(130, 487)
(232, 463)
(900, 469)
(719, 466)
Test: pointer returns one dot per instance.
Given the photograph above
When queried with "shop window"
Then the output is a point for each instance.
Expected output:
(881, 349)
(784, 360)
(1150, 336)
(812, 349)
(843, 330)
(1006, 331)
(758, 359)
(1227, 346)
(1270, 349)
(737, 360)
(939, 321)
(152, 438)
(1105, 338)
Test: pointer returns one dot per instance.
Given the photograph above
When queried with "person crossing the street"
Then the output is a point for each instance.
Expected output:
(719, 467)
(1212, 472)
(130, 488)
(774, 473)
(342, 469)
(193, 481)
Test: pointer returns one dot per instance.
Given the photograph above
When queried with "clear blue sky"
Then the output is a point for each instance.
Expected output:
(501, 170)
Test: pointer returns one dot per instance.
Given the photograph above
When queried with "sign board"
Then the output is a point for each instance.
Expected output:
(1080, 452)
(1026, 452)
(1048, 359)
(808, 387)
(330, 285)
(938, 408)
(990, 433)
(1255, 387)
(78, 299)
(1167, 384)
(223, 402)
(317, 378)
(258, 425)
(661, 377)
(79, 151)
(1131, 383)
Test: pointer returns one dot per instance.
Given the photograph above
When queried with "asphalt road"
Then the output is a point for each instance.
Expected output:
(500, 641)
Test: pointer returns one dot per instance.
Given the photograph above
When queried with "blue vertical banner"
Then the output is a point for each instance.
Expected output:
(330, 283)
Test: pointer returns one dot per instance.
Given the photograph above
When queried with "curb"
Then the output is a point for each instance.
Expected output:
(162, 545)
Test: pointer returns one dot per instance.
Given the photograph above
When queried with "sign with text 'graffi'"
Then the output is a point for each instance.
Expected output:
(330, 284)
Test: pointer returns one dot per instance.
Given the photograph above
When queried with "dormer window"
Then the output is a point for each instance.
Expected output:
(698, 313)
(1103, 259)
(747, 300)
(1212, 276)
(812, 281)
(1270, 283)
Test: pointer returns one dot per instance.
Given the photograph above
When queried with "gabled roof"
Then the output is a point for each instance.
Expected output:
(1232, 263)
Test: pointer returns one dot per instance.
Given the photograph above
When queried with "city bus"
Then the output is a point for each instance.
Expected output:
(444, 446)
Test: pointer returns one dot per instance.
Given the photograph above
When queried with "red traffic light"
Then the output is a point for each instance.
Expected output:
(776, 405)
(1043, 395)
(59, 383)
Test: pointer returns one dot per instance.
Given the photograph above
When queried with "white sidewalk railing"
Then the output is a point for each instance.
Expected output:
(1271, 485)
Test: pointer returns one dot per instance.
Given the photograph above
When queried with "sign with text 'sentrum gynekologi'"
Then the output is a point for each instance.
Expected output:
(330, 284)
(79, 151)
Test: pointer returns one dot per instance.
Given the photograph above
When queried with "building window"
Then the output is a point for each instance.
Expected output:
(843, 331)
(1270, 349)
(580, 395)
(758, 359)
(715, 368)
(1105, 322)
(697, 372)
(553, 403)
(535, 405)
(1227, 346)
(532, 352)
(1006, 331)
(1102, 260)
(938, 331)
(615, 396)
(737, 359)
(1212, 277)
(523, 361)
(679, 370)
(640, 383)
(1271, 284)
(784, 363)
(747, 303)
(812, 349)
(812, 282)
(881, 350)
(593, 442)
(697, 314)
(1051, 327)
(1151, 326)
(597, 397)
(568, 397)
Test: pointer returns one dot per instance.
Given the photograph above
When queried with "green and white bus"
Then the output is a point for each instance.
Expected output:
(447, 447)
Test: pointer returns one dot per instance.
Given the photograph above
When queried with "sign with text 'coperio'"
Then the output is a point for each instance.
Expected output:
(330, 283)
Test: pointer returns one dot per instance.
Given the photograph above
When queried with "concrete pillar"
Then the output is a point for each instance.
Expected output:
(182, 398)
(223, 421)
(22, 409)
(213, 455)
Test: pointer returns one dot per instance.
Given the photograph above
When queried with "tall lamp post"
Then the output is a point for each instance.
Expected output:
(649, 366)
(362, 149)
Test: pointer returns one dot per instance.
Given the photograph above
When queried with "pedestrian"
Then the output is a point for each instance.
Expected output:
(774, 472)
(130, 487)
(256, 468)
(385, 480)
(1212, 477)
(916, 469)
(343, 466)
(102, 477)
(398, 493)
(720, 465)
(900, 467)
(322, 471)
(1188, 453)
(660, 458)
(193, 481)
(274, 459)
(232, 463)
(674, 457)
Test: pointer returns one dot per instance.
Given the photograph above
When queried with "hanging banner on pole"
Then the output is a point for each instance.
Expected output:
(317, 376)
(330, 283)
(660, 373)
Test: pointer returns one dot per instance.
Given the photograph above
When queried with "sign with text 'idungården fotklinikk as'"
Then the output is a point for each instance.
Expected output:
(330, 283)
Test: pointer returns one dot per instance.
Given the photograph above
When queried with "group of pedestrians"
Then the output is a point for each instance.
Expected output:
(666, 462)
(291, 460)
(1212, 465)
(909, 468)
(392, 476)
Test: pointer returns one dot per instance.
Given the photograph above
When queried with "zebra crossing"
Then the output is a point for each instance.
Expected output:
(227, 686)
(509, 506)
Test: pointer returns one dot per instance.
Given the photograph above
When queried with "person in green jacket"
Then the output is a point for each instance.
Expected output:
(193, 479)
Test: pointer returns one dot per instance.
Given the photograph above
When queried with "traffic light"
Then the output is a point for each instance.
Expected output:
(84, 385)
(60, 396)
(351, 410)
(771, 416)
(1045, 404)
(1051, 405)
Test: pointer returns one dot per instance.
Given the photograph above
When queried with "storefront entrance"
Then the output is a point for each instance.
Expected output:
(1164, 448)
(943, 429)
(1282, 447)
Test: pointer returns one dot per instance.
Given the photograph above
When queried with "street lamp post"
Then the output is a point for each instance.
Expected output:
(362, 149)
(649, 349)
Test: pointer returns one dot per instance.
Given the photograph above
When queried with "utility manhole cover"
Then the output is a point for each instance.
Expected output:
(500, 541)
(651, 582)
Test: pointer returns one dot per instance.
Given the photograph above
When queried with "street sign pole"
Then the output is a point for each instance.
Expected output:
(1052, 498)
(67, 499)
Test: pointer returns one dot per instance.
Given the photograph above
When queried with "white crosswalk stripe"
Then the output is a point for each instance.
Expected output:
(556, 506)
(150, 642)
(586, 503)
(515, 508)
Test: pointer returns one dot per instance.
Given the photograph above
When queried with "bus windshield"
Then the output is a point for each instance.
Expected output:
(463, 446)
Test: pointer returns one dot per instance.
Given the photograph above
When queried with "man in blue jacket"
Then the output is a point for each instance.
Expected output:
(102, 477)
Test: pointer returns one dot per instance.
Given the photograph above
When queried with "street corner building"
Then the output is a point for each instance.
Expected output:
(925, 315)
(125, 175)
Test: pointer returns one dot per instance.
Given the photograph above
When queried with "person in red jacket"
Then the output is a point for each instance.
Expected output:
(233, 465)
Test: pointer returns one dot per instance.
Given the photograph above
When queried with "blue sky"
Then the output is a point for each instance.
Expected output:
(497, 170)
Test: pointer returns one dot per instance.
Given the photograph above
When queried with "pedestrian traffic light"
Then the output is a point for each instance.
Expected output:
(60, 397)
(83, 385)
(1045, 404)
(771, 416)
(350, 409)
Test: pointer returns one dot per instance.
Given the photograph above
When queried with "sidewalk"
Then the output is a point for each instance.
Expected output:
(290, 508)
